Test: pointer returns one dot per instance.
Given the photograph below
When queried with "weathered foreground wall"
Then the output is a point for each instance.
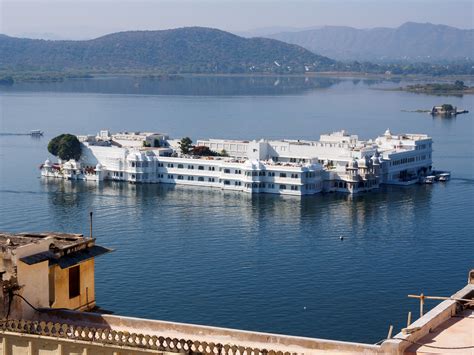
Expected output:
(80, 333)
(26, 344)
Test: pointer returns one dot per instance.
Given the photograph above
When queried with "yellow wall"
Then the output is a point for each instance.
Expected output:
(33, 280)
(61, 287)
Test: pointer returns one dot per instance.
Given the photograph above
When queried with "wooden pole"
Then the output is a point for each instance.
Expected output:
(390, 330)
(409, 319)
(422, 303)
(90, 214)
(442, 298)
(422, 298)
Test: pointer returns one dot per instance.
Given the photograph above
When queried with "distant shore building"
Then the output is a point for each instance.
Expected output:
(337, 162)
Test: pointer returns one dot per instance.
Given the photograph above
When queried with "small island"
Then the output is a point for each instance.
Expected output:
(444, 110)
(458, 88)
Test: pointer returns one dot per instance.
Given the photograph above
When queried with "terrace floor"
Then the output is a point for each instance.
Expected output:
(454, 334)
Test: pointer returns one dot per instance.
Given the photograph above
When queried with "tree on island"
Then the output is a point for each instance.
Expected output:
(447, 107)
(203, 151)
(458, 84)
(186, 144)
(65, 147)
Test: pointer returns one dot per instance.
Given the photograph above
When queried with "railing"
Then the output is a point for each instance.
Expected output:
(106, 336)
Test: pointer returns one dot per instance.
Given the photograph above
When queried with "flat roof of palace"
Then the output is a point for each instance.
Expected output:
(61, 240)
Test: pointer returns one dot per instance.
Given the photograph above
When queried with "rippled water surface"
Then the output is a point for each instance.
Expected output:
(263, 262)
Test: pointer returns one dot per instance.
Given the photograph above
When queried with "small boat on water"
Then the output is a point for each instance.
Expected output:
(444, 177)
(430, 179)
(36, 133)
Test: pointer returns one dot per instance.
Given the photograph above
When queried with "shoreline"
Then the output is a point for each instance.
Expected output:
(47, 77)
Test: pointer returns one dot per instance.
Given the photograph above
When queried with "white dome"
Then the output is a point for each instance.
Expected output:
(248, 165)
(71, 164)
(258, 164)
(362, 162)
(98, 167)
(253, 165)
(47, 163)
(387, 133)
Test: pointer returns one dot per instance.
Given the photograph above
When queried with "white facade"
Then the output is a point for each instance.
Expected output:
(337, 162)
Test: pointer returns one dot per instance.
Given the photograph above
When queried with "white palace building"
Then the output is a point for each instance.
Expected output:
(337, 162)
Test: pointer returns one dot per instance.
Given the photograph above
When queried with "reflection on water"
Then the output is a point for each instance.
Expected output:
(182, 85)
(326, 209)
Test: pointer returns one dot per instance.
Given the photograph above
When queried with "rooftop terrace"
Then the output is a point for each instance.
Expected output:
(60, 240)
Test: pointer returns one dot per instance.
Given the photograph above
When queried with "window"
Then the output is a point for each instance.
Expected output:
(190, 178)
(170, 165)
(74, 281)
(211, 168)
(282, 187)
(226, 182)
(180, 166)
(226, 171)
(180, 177)
(190, 166)
(200, 178)
(283, 175)
(170, 176)
(200, 167)
(211, 179)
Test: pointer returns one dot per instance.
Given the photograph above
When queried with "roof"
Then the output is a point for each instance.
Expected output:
(61, 240)
(67, 260)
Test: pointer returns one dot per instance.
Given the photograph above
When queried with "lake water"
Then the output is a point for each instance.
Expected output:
(263, 262)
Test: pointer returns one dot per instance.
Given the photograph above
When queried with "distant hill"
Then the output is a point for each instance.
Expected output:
(182, 50)
(415, 42)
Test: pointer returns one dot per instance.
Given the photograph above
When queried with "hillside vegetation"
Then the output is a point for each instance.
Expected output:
(183, 50)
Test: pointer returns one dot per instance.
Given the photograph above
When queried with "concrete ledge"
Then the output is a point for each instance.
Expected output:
(225, 336)
(434, 318)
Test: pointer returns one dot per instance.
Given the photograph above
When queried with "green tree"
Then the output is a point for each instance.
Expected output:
(65, 147)
(224, 153)
(203, 151)
(185, 145)
(447, 107)
(458, 84)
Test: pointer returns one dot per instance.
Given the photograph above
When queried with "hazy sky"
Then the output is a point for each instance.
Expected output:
(87, 18)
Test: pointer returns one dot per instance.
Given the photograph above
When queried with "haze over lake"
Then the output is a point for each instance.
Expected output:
(262, 262)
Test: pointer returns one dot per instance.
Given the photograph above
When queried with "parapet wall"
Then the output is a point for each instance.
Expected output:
(112, 332)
